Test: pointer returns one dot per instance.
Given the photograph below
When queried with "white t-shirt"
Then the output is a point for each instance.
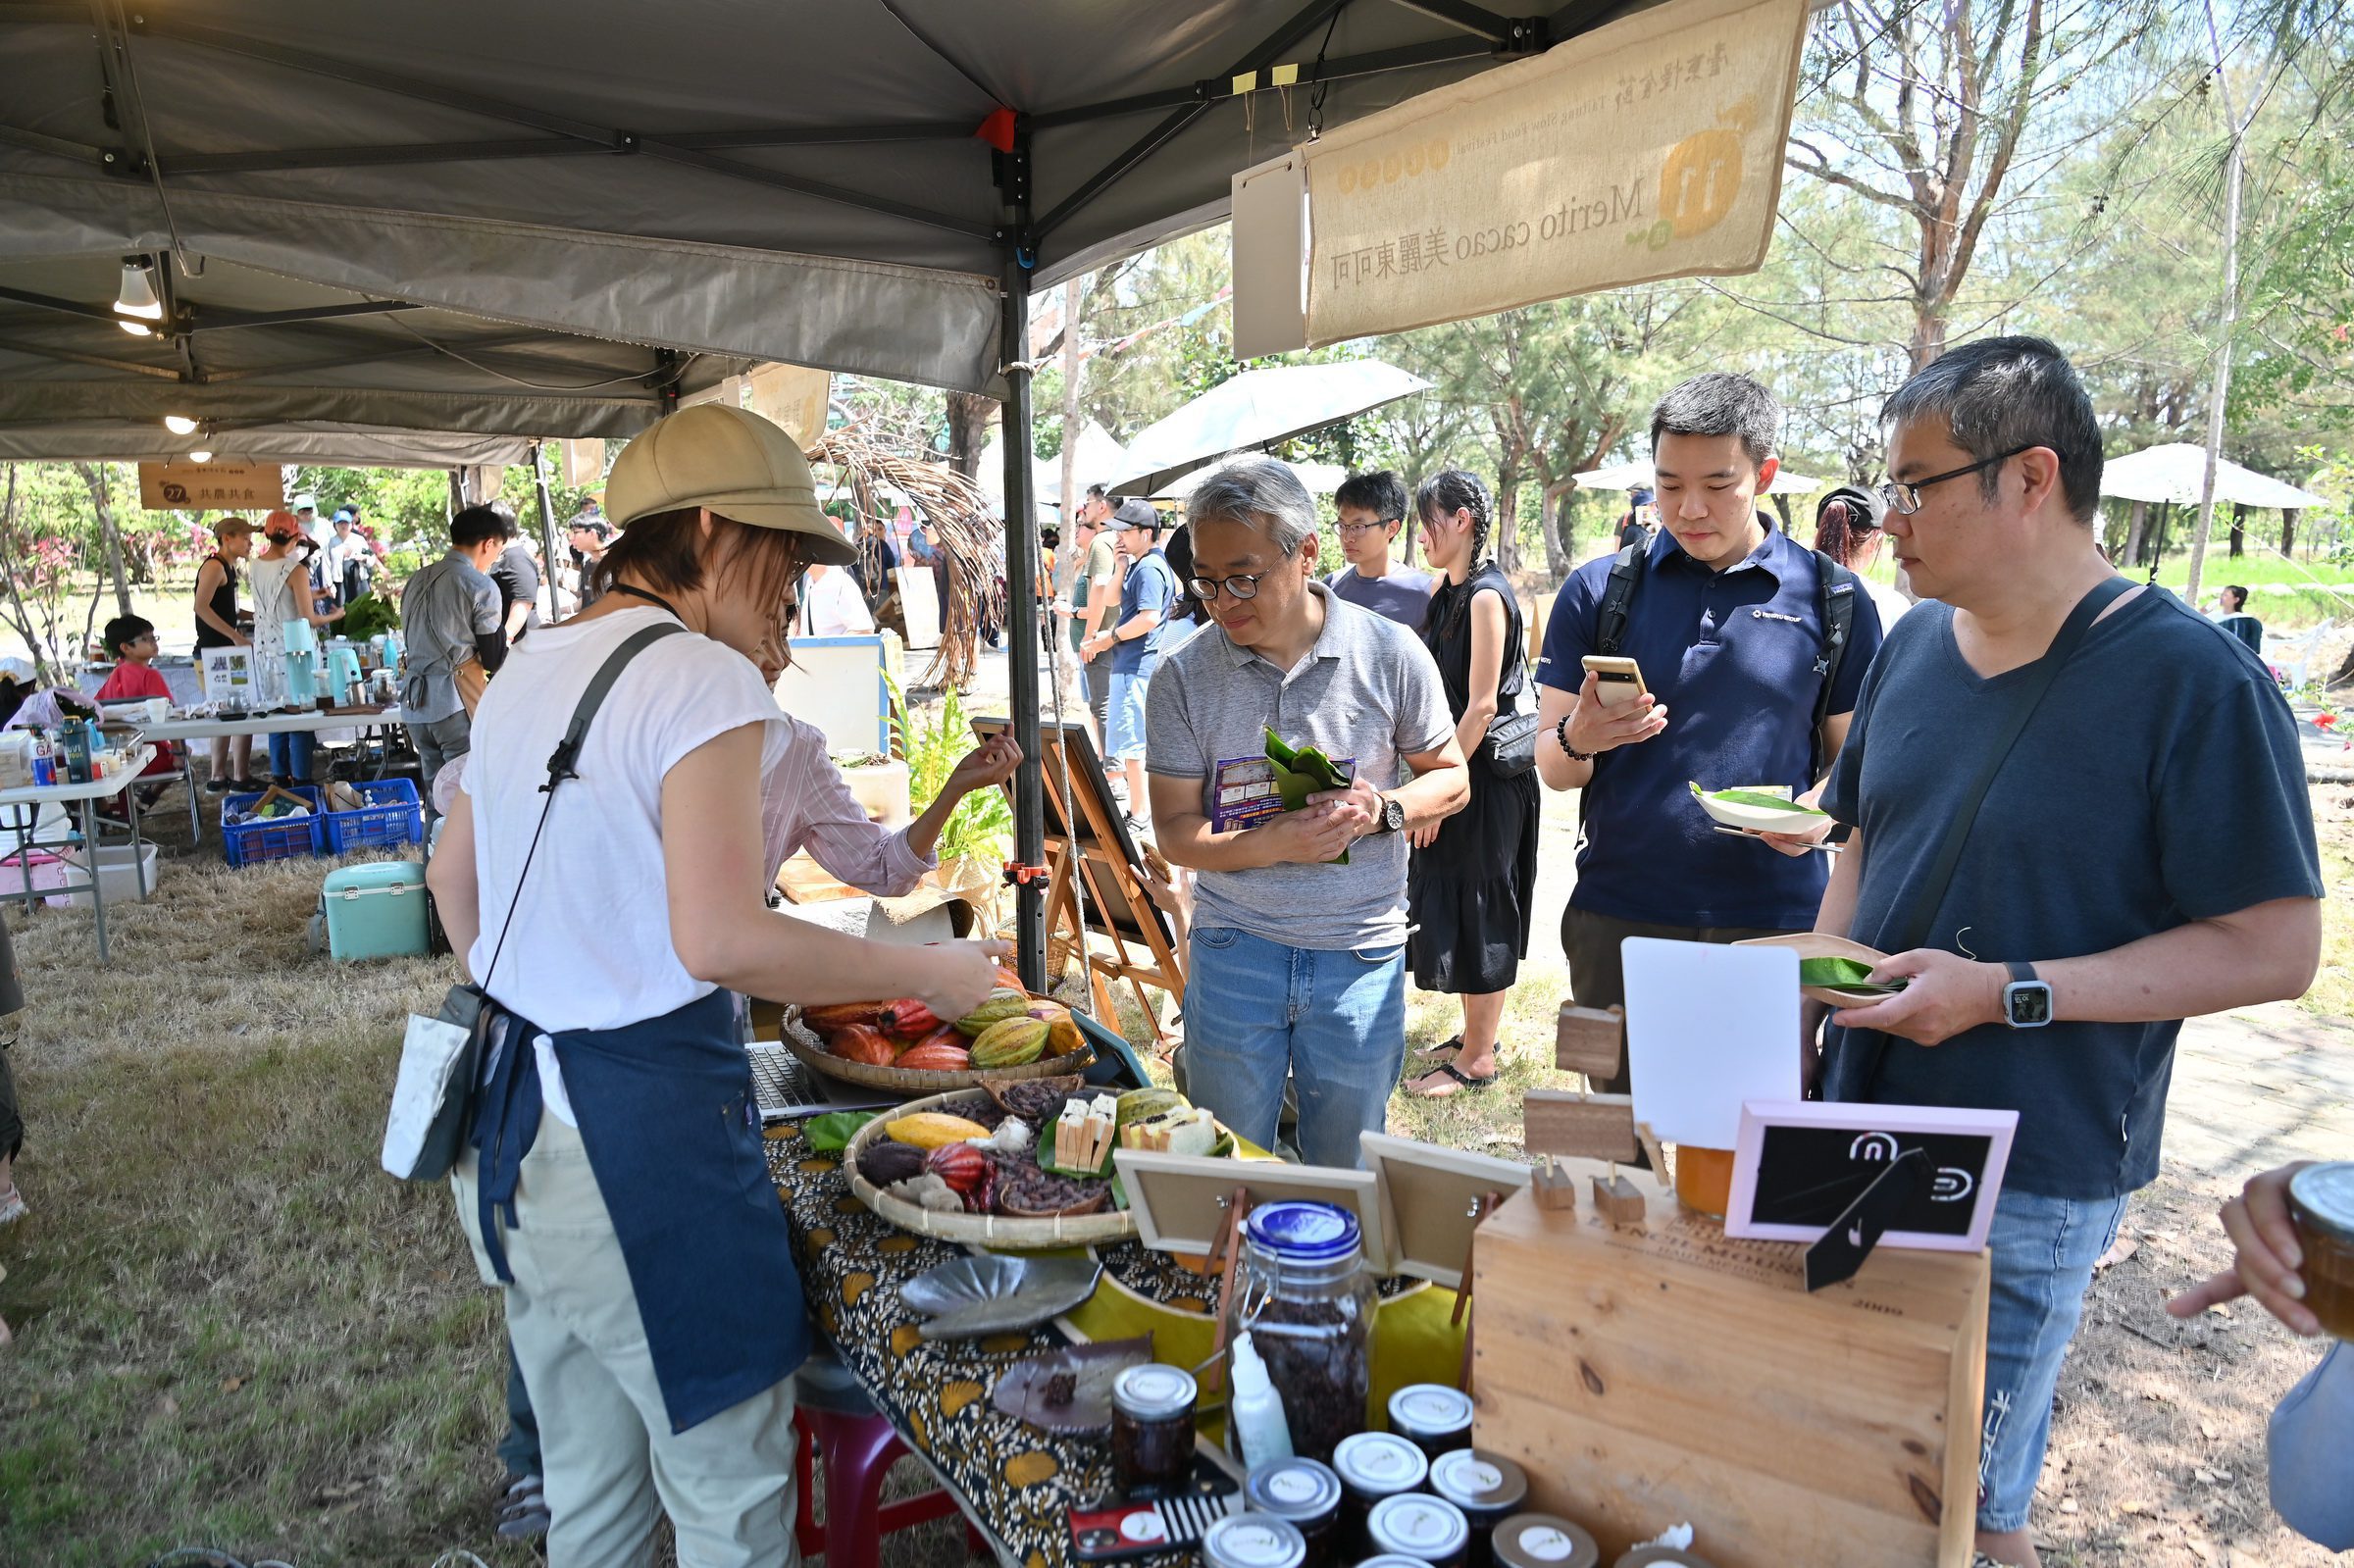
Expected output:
(832, 605)
(591, 946)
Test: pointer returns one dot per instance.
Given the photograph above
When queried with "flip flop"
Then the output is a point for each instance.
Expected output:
(11, 1208)
(1447, 1049)
(1439, 1092)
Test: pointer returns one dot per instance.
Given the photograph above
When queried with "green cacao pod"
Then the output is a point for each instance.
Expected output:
(1010, 1042)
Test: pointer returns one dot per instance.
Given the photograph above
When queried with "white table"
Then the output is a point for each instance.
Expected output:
(23, 806)
(308, 720)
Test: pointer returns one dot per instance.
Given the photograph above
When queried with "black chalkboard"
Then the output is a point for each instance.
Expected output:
(1808, 1175)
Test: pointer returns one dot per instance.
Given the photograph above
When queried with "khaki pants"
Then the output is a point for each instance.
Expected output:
(612, 1461)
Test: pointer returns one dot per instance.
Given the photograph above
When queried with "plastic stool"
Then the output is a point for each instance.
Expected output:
(833, 1416)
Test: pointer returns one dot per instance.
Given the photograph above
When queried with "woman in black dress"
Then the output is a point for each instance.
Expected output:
(1473, 876)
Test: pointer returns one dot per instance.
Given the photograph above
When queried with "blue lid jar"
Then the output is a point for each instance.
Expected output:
(1300, 1231)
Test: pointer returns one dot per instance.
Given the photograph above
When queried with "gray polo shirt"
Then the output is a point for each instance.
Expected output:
(1368, 691)
(441, 610)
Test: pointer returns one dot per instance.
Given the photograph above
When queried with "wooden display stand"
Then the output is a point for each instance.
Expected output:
(1653, 1371)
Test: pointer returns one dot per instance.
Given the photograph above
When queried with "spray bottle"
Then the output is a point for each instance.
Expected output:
(1257, 1410)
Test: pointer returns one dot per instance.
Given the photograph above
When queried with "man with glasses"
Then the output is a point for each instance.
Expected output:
(1134, 644)
(1296, 964)
(2143, 852)
(1372, 509)
(1751, 648)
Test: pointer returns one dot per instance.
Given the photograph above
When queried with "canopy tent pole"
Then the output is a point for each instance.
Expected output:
(547, 527)
(1021, 631)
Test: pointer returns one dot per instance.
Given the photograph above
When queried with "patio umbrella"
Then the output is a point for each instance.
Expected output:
(1099, 458)
(1319, 478)
(2177, 471)
(1257, 409)
(1628, 475)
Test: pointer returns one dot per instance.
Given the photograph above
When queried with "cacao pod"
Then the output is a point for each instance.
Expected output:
(861, 1042)
(935, 1056)
(884, 1162)
(1003, 1004)
(1010, 1042)
(960, 1165)
(841, 1015)
(929, 1130)
(1009, 978)
(909, 1019)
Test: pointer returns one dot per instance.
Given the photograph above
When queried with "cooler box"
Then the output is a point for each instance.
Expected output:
(375, 911)
(120, 876)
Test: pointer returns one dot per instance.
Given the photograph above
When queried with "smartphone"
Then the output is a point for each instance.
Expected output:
(1617, 679)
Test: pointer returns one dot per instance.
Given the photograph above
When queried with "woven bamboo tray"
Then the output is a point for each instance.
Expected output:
(912, 1080)
(982, 1229)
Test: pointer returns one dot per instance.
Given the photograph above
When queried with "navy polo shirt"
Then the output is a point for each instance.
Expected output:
(1732, 655)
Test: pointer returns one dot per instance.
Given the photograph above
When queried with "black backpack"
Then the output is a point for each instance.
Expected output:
(1836, 604)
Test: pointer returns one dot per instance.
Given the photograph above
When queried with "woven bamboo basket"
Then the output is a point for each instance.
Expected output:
(910, 1081)
(982, 1229)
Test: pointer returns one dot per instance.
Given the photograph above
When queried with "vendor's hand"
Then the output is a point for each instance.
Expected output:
(1310, 836)
(1795, 843)
(2266, 1267)
(1948, 995)
(1424, 837)
(1595, 729)
(985, 767)
(955, 978)
(1359, 805)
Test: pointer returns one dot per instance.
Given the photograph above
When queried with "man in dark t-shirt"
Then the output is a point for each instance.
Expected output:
(2144, 854)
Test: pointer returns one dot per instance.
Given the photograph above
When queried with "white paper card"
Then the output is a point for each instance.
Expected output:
(428, 1053)
(1707, 1027)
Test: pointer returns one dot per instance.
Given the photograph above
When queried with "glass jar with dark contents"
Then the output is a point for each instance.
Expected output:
(1427, 1528)
(1372, 1466)
(1487, 1487)
(1431, 1416)
(2320, 1204)
(1543, 1541)
(1307, 1493)
(1152, 1429)
(1302, 1293)
(1253, 1541)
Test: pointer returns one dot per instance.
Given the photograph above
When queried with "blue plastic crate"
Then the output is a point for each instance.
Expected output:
(393, 816)
(250, 843)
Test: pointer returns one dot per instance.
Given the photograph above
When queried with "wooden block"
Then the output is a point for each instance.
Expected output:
(1590, 1041)
(1556, 1188)
(1617, 1200)
(1665, 1372)
(1596, 1127)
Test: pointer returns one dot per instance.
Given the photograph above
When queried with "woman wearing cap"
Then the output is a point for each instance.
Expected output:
(281, 592)
(616, 1186)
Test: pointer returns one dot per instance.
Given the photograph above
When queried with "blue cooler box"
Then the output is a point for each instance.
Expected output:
(375, 911)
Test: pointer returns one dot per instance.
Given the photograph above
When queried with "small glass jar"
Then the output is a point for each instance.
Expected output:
(2320, 1204)
(1151, 1430)
(1392, 1560)
(1487, 1487)
(1372, 1466)
(1544, 1541)
(1253, 1541)
(1304, 1492)
(1302, 1293)
(1661, 1557)
(1427, 1528)
(1704, 1179)
(1433, 1417)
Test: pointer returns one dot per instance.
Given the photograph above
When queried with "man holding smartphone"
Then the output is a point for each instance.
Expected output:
(1740, 635)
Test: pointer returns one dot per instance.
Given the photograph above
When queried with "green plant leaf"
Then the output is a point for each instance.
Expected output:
(832, 1133)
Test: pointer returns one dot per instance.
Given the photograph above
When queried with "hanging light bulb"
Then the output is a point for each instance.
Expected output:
(137, 295)
(135, 329)
(179, 425)
(201, 455)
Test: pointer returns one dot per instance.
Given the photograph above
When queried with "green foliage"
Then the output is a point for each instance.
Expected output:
(931, 743)
(369, 616)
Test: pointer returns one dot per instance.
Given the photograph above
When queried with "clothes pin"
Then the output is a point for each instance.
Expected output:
(1651, 1149)
(1555, 1191)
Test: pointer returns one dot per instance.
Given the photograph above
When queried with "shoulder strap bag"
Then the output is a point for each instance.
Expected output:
(442, 1057)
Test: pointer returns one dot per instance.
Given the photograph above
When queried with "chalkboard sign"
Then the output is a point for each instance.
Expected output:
(1797, 1166)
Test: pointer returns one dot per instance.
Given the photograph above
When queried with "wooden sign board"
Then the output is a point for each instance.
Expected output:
(1430, 1199)
(1658, 1371)
(212, 486)
(1180, 1200)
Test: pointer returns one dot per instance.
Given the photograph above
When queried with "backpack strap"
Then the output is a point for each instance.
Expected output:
(1618, 596)
(1836, 588)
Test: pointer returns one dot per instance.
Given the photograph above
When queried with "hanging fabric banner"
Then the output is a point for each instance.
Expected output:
(795, 396)
(205, 487)
(1650, 148)
(583, 464)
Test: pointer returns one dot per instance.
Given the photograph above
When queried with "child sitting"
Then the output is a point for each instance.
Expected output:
(131, 638)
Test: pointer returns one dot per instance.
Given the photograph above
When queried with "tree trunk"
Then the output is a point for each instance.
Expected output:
(2289, 530)
(18, 613)
(968, 431)
(93, 475)
(2235, 176)
(1554, 520)
(2239, 530)
(1070, 409)
(1508, 518)
(2136, 529)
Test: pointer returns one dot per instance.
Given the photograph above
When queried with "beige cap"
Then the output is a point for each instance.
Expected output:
(730, 460)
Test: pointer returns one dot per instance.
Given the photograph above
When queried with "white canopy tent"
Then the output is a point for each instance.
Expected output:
(2175, 473)
(1319, 478)
(1099, 458)
(1257, 409)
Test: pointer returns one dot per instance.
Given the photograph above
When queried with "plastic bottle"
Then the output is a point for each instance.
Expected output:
(1257, 1409)
(44, 759)
(77, 754)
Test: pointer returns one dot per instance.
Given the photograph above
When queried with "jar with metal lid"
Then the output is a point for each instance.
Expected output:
(1433, 1417)
(1253, 1541)
(1152, 1429)
(1302, 1293)
(1544, 1541)
(1663, 1557)
(1392, 1560)
(1487, 1487)
(1372, 1466)
(1304, 1492)
(2320, 1204)
(1417, 1525)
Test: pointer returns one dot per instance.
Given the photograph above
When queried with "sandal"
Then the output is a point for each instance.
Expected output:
(522, 1511)
(1422, 1089)
(1446, 1050)
(11, 1208)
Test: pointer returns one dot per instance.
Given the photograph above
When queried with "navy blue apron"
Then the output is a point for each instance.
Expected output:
(665, 1110)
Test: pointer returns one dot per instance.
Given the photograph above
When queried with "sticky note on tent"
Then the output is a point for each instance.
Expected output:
(1709, 1027)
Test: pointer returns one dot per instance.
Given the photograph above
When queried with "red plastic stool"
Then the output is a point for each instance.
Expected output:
(859, 1450)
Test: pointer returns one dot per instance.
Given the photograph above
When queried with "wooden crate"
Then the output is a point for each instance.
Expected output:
(1652, 1374)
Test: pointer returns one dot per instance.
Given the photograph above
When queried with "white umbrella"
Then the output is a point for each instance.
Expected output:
(1631, 476)
(1101, 460)
(1319, 478)
(1257, 409)
(2177, 471)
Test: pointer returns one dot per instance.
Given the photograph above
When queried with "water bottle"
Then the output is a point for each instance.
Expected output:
(78, 753)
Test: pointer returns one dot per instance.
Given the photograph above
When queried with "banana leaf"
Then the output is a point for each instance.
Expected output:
(1300, 773)
(1753, 797)
(1845, 974)
(832, 1133)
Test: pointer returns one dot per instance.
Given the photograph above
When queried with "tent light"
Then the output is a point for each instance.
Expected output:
(179, 425)
(137, 295)
(200, 455)
(135, 329)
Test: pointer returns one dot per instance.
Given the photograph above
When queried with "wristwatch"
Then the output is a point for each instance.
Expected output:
(1393, 815)
(2026, 1001)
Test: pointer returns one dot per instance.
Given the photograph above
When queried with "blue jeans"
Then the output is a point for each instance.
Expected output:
(2044, 1249)
(1125, 737)
(1333, 1021)
(290, 754)
(2310, 1443)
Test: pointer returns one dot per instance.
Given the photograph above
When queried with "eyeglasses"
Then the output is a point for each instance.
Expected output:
(1240, 588)
(1347, 529)
(1905, 497)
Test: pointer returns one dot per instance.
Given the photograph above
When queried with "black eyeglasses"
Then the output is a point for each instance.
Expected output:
(1241, 587)
(1905, 496)
(1359, 527)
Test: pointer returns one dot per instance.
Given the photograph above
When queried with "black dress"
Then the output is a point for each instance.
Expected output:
(1470, 893)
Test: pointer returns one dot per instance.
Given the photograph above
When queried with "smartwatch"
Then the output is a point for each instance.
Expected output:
(1393, 815)
(2026, 1001)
